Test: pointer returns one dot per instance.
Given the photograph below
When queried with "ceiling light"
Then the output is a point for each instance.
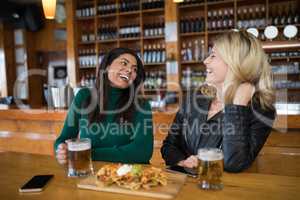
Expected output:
(49, 7)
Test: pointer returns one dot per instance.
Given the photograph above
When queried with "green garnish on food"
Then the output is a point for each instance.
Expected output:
(136, 170)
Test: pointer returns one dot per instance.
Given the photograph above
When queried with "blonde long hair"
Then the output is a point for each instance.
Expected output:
(247, 62)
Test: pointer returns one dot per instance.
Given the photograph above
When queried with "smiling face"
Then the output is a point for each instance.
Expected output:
(216, 68)
(122, 71)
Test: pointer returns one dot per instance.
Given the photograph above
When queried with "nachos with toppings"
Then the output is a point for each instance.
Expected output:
(133, 177)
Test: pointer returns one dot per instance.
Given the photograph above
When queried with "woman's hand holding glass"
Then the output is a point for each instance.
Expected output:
(61, 153)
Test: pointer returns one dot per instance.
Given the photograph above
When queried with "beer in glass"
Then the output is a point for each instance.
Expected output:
(79, 157)
(210, 168)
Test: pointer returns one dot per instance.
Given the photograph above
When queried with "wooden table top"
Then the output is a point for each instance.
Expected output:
(16, 168)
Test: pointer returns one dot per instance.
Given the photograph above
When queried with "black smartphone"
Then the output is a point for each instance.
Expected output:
(188, 171)
(36, 183)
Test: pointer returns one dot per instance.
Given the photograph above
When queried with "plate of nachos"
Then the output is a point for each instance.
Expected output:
(140, 180)
(133, 177)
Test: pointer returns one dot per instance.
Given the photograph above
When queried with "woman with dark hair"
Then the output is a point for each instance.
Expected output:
(118, 123)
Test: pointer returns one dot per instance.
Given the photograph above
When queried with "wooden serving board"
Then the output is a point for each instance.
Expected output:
(175, 182)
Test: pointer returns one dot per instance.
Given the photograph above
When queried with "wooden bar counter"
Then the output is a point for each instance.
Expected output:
(16, 168)
(34, 131)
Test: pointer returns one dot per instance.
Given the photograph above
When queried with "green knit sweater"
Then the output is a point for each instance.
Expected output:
(111, 141)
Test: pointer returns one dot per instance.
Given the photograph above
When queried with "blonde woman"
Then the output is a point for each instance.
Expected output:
(240, 116)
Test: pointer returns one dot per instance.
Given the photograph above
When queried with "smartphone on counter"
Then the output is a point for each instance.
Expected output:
(36, 183)
(188, 171)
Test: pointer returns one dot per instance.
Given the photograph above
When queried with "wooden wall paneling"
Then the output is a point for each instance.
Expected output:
(7, 64)
(72, 53)
(45, 38)
(35, 78)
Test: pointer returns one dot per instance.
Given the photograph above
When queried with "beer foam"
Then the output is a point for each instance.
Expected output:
(76, 146)
(210, 155)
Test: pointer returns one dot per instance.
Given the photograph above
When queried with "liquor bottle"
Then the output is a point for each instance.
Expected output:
(190, 51)
(84, 35)
(182, 25)
(163, 55)
(283, 17)
(202, 50)
(92, 36)
(197, 53)
(209, 20)
(149, 55)
(219, 24)
(161, 28)
(231, 18)
(187, 25)
(289, 19)
(251, 20)
(154, 51)
(214, 20)
(225, 24)
(183, 52)
(240, 18)
(145, 53)
(246, 20)
(158, 54)
(276, 18)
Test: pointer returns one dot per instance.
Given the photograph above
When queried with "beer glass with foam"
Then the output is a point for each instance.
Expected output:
(79, 157)
(210, 168)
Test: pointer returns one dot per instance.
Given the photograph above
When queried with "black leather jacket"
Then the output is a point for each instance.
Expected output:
(240, 131)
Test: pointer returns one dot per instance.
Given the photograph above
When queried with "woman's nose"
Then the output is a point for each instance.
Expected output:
(128, 69)
(206, 60)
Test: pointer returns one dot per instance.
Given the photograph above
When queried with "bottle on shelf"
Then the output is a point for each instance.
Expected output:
(84, 34)
(88, 80)
(155, 80)
(85, 12)
(194, 50)
(190, 24)
(197, 52)
(220, 20)
(129, 5)
(156, 29)
(107, 7)
(183, 52)
(192, 78)
(152, 4)
(287, 68)
(154, 53)
(285, 54)
(91, 33)
(129, 31)
(283, 14)
(87, 58)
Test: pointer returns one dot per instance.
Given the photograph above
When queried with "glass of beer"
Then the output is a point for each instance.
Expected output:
(210, 168)
(79, 157)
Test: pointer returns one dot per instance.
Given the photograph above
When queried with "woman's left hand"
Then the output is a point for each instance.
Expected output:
(244, 94)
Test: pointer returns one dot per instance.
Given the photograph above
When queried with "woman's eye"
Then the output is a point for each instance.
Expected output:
(123, 63)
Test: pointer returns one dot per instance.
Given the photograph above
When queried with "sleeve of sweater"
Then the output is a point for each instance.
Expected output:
(140, 149)
(71, 125)
(245, 131)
